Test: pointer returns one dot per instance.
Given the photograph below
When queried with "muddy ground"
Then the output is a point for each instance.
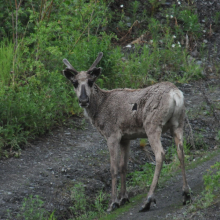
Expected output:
(52, 164)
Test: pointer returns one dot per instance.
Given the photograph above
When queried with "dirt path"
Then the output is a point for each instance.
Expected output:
(169, 199)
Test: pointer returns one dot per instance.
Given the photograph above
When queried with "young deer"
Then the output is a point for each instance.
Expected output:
(121, 115)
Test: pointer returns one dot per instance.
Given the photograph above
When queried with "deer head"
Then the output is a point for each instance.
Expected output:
(83, 81)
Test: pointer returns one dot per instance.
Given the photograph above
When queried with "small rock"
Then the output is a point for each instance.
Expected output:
(199, 62)
(195, 53)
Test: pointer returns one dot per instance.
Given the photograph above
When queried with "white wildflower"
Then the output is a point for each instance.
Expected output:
(121, 6)
(178, 42)
(179, 3)
(173, 45)
(174, 36)
(151, 41)
(171, 16)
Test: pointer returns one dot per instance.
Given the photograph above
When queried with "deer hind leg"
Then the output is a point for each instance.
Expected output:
(123, 170)
(113, 145)
(178, 137)
(154, 140)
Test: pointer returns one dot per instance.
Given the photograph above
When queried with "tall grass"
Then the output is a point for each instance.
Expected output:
(34, 96)
(6, 61)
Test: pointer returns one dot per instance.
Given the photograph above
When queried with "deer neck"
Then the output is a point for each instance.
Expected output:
(97, 100)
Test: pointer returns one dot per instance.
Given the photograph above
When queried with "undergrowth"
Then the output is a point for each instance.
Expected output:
(34, 97)
(211, 189)
(32, 209)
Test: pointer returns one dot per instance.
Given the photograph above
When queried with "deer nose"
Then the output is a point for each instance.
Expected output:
(83, 98)
(84, 101)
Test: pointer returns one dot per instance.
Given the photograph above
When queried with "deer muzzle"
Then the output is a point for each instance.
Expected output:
(83, 98)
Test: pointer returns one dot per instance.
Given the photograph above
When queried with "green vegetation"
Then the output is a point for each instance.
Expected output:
(82, 208)
(212, 183)
(32, 209)
(210, 193)
(34, 96)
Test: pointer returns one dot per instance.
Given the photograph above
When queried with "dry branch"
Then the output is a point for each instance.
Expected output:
(130, 29)
(191, 138)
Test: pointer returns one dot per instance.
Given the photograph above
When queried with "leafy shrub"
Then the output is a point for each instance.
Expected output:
(143, 177)
(81, 209)
(6, 60)
(33, 107)
(35, 97)
(191, 22)
(211, 191)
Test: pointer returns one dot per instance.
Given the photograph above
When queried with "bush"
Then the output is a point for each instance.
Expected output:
(32, 107)
(34, 95)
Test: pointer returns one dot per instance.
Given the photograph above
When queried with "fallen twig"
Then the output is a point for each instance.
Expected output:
(130, 29)
(212, 106)
(191, 139)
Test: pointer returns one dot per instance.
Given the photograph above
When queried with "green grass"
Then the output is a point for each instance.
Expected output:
(134, 201)
(6, 61)
(34, 96)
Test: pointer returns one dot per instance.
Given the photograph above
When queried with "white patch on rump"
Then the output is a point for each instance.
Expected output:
(177, 103)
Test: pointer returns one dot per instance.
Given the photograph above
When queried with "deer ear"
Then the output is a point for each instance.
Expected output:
(95, 72)
(69, 73)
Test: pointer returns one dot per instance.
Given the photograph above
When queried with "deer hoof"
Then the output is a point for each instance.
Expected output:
(146, 206)
(113, 206)
(186, 197)
(123, 201)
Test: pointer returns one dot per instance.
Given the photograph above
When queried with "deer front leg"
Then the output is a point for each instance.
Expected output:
(113, 145)
(154, 140)
(123, 170)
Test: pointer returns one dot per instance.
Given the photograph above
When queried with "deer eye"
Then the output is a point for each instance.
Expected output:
(90, 82)
(75, 84)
